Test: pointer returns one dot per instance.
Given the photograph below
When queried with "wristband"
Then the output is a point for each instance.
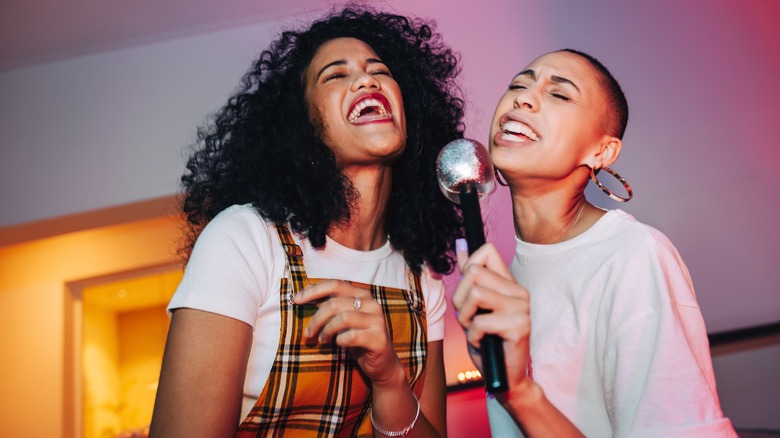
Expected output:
(403, 432)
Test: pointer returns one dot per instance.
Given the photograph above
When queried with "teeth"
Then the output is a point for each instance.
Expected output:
(512, 137)
(366, 104)
(513, 127)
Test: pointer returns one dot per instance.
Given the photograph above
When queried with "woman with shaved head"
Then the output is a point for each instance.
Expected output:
(601, 329)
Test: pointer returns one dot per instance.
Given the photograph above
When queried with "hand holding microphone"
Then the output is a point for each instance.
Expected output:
(465, 174)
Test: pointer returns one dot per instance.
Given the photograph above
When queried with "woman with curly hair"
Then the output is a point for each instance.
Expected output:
(318, 236)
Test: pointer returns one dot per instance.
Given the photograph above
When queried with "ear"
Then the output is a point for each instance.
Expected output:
(608, 152)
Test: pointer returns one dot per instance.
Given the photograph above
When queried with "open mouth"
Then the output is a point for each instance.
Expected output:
(369, 108)
(516, 131)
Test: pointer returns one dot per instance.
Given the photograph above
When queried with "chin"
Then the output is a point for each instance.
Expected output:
(387, 147)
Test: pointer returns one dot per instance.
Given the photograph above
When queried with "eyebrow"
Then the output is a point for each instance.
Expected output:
(344, 62)
(555, 79)
(528, 72)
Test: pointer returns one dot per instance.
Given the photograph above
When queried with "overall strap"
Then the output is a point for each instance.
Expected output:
(294, 258)
(415, 288)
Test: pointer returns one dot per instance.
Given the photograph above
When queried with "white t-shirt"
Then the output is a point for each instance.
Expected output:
(236, 268)
(618, 343)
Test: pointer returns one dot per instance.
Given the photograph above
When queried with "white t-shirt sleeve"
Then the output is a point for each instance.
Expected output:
(229, 271)
(436, 304)
(660, 380)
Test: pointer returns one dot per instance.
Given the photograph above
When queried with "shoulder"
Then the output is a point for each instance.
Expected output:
(648, 259)
(635, 237)
(238, 234)
(236, 217)
(238, 223)
(234, 267)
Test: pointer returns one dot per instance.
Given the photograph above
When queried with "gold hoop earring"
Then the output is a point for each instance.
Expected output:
(499, 180)
(609, 192)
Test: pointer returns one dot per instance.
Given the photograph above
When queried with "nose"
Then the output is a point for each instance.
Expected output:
(526, 99)
(366, 80)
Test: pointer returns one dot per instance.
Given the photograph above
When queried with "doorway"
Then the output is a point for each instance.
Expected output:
(121, 327)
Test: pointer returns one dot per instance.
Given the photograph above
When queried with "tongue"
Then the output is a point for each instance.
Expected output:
(369, 117)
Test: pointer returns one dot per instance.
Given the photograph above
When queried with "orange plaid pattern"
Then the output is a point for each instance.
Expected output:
(318, 390)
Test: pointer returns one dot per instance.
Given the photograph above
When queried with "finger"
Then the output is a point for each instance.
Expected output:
(368, 339)
(468, 307)
(461, 252)
(327, 289)
(471, 298)
(477, 276)
(345, 327)
(344, 321)
(487, 255)
(333, 309)
(487, 278)
(461, 291)
(327, 310)
(481, 299)
(513, 329)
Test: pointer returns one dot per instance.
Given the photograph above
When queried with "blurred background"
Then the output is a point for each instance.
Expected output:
(99, 102)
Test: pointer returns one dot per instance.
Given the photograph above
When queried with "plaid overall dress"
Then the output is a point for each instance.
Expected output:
(319, 390)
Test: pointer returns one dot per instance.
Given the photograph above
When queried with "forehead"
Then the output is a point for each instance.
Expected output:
(570, 66)
(341, 48)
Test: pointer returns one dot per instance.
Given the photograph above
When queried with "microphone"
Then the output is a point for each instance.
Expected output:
(465, 174)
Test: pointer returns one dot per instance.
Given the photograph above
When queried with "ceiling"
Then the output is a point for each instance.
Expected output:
(40, 31)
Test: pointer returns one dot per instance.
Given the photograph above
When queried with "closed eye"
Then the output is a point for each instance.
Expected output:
(334, 76)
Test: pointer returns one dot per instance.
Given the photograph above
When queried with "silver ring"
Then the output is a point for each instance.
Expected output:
(358, 303)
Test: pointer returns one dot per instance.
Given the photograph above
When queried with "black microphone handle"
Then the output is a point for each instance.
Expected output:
(491, 346)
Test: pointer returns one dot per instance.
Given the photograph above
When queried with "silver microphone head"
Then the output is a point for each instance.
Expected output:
(463, 163)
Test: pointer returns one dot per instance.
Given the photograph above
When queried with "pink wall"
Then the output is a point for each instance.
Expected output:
(467, 414)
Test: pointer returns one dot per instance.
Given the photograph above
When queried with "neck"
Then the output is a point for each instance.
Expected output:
(550, 211)
(366, 229)
(552, 217)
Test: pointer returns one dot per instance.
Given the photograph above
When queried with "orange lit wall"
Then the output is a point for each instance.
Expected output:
(37, 279)
(101, 386)
(142, 335)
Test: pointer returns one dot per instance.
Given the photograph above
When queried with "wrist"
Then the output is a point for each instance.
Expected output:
(392, 414)
(394, 379)
(523, 396)
(400, 432)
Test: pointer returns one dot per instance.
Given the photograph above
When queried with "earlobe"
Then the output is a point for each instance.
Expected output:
(609, 152)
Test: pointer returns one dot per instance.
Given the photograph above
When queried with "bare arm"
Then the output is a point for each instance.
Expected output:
(487, 284)
(434, 392)
(202, 376)
(394, 408)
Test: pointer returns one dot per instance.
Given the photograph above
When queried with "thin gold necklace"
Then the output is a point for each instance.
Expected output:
(577, 219)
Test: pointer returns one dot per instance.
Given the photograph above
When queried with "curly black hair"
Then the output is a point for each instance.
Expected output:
(262, 148)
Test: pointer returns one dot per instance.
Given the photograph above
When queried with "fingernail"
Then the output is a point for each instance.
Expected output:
(461, 245)
(307, 332)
